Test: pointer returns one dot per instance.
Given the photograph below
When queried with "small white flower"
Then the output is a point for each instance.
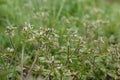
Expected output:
(10, 49)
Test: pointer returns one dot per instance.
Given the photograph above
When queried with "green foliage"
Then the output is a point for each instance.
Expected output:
(68, 40)
(78, 57)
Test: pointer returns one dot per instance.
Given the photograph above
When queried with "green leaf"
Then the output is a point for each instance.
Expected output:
(112, 73)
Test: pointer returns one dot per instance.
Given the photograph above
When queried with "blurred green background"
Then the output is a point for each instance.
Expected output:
(50, 13)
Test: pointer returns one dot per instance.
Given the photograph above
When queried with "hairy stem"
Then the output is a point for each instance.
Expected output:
(11, 42)
(22, 59)
(33, 64)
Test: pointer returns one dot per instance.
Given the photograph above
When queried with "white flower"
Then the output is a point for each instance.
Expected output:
(10, 49)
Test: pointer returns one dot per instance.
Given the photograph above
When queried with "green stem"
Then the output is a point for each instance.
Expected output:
(33, 64)
(22, 61)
